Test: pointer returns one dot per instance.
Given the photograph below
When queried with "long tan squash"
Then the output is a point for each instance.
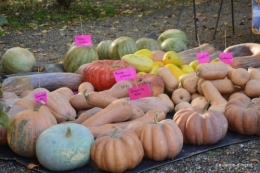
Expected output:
(226, 86)
(212, 94)
(211, 71)
(99, 99)
(254, 73)
(117, 111)
(104, 129)
(170, 81)
(119, 89)
(252, 88)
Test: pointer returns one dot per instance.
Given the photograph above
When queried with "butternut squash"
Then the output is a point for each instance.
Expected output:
(239, 76)
(148, 103)
(104, 129)
(198, 103)
(170, 81)
(180, 95)
(82, 117)
(148, 117)
(182, 105)
(254, 73)
(210, 71)
(79, 102)
(252, 88)
(119, 89)
(91, 111)
(212, 94)
(85, 86)
(167, 100)
(65, 91)
(136, 112)
(190, 82)
(237, 95)
(99, 99)
(226, 86)
(195, 95)
(117, 111)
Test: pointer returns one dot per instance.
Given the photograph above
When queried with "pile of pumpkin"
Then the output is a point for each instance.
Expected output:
(103, 124)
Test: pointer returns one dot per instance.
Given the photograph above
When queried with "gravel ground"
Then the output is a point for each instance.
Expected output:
(52, 43)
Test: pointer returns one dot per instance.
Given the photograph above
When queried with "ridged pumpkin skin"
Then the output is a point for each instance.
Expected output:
(100, 73)
(117, 152)
(148, 43)
(161, 140)
(103, 49)
(243, 115)
(77, 56)
(18, 60)
(25, 128)
(201, 128)
(122, 46)
(64, 147)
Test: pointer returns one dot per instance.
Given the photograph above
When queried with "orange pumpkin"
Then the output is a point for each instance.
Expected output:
(243, 115)
(206, 127)
(161, 140)
(117, 152)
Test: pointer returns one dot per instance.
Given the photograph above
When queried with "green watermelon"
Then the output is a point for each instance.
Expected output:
(122, 46)
(148, 43)
(173, 44)
(18, 60)
(77, 56)
(173, 33)
(103, 49)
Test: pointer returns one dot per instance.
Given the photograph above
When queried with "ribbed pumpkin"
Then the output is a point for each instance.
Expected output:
(148, 43)
(25, 128)
(77, 56)
(4, 122)
(100, 73)
(122, 46)
(64, 147)
(103, 49)
(206, 127)
(117, 152)
(243, 115)
(161, 140)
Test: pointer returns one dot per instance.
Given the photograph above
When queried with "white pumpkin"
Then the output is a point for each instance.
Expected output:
(64, 147)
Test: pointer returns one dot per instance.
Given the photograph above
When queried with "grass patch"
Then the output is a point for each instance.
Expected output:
(24, 14)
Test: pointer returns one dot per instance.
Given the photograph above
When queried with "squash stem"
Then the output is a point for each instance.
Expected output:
(84, 94)
(68, 134)
(236, 86)
(205, 108)
(115, 135)
(38, 105)
(250, 104)
(155, 120)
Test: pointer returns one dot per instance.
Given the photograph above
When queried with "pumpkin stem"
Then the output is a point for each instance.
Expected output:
(38, 105)
(155, 120)
(68, 134)
(205, 108)
(114, 134)
(250, 104)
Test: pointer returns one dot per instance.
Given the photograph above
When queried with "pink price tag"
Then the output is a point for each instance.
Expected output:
(83, 40)
(226, 57)
(124, 74)
(139, 92)
(203, 57)
(41, 96)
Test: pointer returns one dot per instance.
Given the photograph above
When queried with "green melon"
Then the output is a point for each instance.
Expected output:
(122, 46)
(148, 43)
(103, 49)
(77, 56)
(173, 44)
(173, 33)
(18, 60)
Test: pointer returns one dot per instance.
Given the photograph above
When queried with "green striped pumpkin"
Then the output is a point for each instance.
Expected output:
(122, 46)
(77, 56)
(103, 49)
(148, 43)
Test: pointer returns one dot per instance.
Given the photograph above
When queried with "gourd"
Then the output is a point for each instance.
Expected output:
(252, 88)
(182, 105)
(168, 142)
(85, 86)
(64, 147)
(239, 76)
(98, 99)
(147, 43)
(100, 73)
(189, 81)
(25, 128)
(172, 33)
(18, 60)
(118, 151)
(243, 115)
(77, 56)
(180, 95)
(173, 44)
(206, 127)
(119, 89)
(170, 81)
